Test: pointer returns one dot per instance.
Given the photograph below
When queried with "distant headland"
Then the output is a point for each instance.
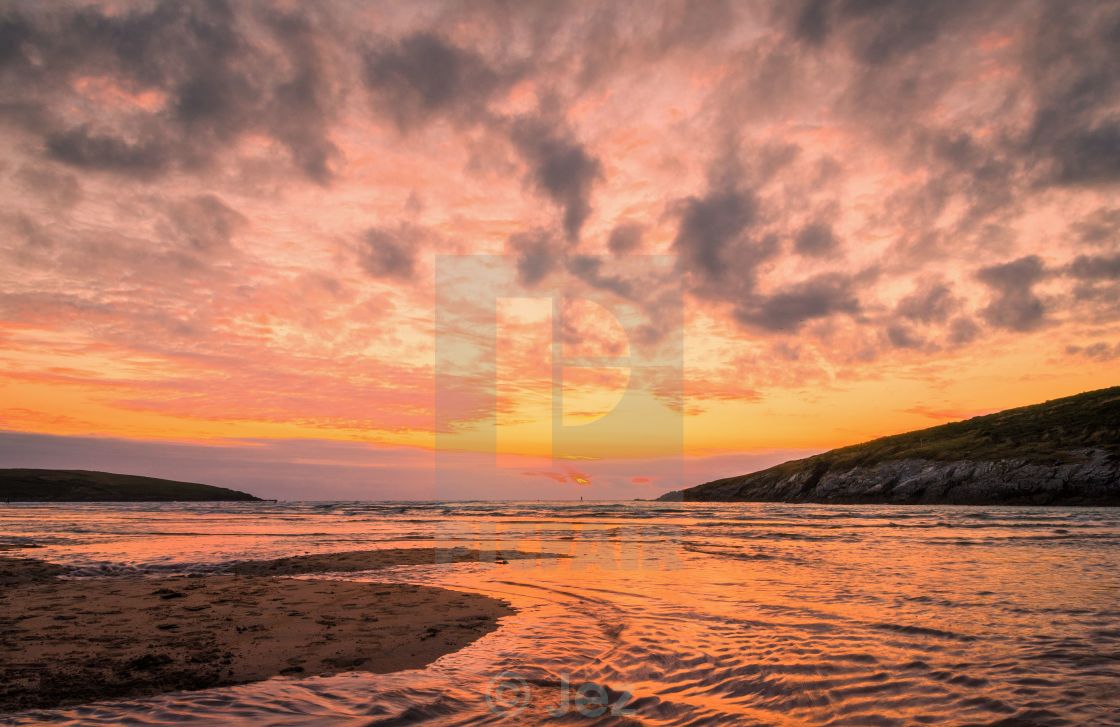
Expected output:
(37, 485)
(1062, 452)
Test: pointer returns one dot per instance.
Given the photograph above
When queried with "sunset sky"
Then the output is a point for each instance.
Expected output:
(222, 223)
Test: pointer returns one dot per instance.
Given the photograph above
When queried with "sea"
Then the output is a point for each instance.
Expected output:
(665, 613)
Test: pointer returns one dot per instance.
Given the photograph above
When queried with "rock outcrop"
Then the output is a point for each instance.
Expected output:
(1061, 452)
(1094, 480)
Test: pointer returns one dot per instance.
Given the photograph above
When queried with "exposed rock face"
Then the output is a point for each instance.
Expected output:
(1089, 477)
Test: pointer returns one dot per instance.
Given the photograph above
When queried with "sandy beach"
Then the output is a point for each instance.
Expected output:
(75, 641)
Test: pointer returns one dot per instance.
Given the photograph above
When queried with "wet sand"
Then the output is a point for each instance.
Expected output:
(16, 571)
(74, 641)
(361, 560)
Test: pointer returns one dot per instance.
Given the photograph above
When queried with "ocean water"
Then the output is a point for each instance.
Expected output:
(669, 613)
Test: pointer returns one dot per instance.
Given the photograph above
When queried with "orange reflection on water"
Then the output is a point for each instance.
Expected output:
(767, 614)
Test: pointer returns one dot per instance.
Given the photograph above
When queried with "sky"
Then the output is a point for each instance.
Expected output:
(237, 238)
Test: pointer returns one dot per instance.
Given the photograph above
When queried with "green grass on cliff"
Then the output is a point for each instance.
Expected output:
(31, 485)
(1050, 432)
(1042, 433)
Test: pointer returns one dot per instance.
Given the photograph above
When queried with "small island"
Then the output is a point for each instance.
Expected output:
(41, 485)
(1061, 452)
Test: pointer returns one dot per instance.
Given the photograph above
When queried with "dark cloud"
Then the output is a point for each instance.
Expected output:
(1074, 72)
(1099, 351)
(911, 63)
(224, 71)
(815, 239)
(688, 25)
(1106, 295)
(560, 167)
(301, 105)
(15, 31)
(915, 56)
(813, 21)
(1100, 228)
(625, 238)
(390, 253)
(725, 236)
(609, 40)
(711, 233)
(589, 268)
(983, 174)
(1085, 155)
(31, 236)
(1097, 285)
(875, 31)
(82, 148)
(962, 331)
(205, 223)
(932, 302)
(1014, 304)
(902, 336)
(537, 255)
(789, 308)
(423, 76)
(1095, 267)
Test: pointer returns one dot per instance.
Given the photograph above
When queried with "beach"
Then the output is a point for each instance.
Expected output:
(676, 613)
(71, 641)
